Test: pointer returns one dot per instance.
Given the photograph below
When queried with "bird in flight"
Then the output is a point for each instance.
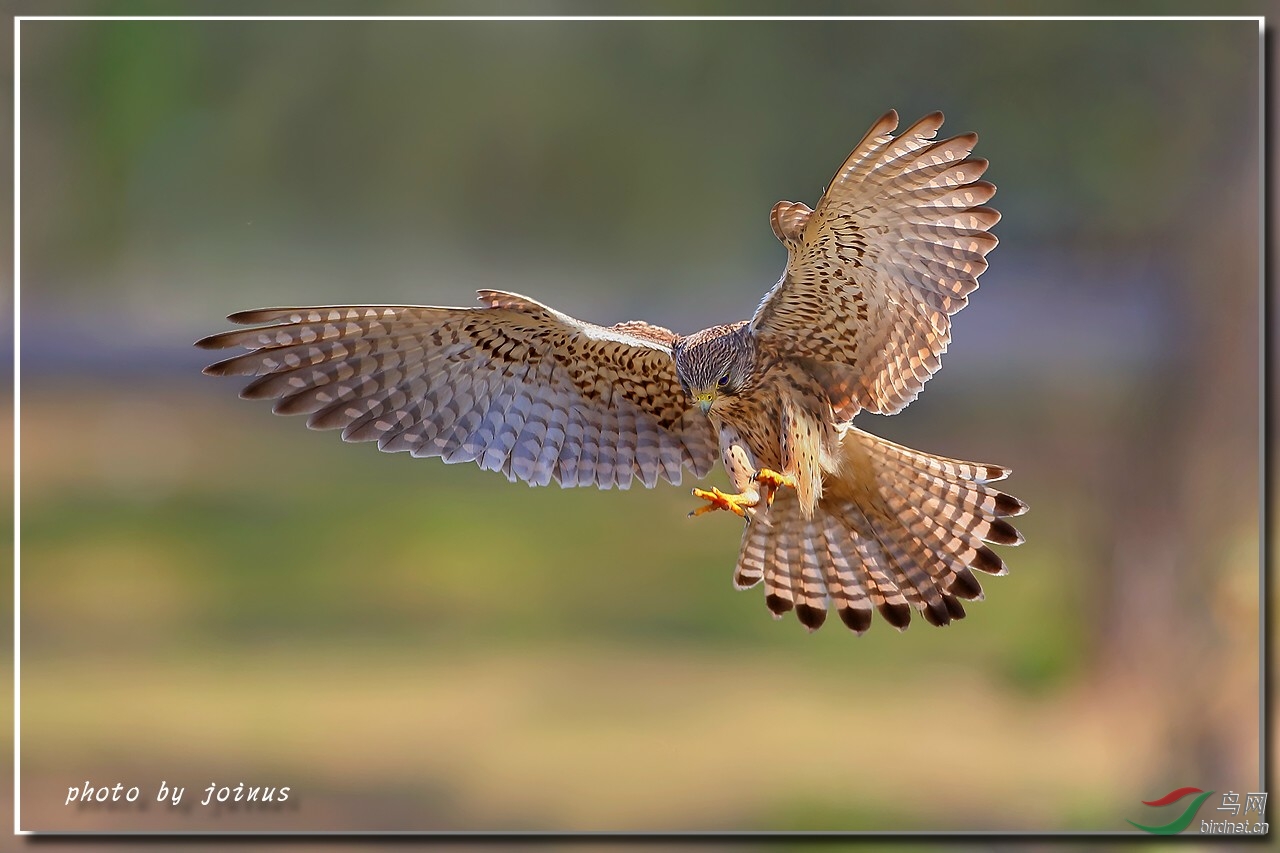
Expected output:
(834, 515)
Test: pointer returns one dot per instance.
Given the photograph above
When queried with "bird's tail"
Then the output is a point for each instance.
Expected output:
(895, 529)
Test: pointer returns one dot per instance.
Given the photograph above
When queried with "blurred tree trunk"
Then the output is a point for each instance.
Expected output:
(1180, 631)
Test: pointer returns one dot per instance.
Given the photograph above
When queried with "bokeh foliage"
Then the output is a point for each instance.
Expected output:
(209, 592)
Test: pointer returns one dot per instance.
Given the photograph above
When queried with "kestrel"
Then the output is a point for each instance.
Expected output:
(858, 320)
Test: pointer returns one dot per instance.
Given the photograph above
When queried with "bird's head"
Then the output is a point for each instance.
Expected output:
(714, 364)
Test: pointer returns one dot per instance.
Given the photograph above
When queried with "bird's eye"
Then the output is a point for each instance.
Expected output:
(724, 380)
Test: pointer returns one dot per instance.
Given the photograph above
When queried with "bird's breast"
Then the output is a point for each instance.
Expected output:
(757, 420)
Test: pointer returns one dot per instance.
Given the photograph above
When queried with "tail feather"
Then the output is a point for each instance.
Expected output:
(943, 467)
(886, 595)
(966, 519)
(843, 576)
(753, 556)
(811, 591)
(911, 559)
(952, 545)
(895, 530)
(778, 596)
(946, 483)
(965, 585)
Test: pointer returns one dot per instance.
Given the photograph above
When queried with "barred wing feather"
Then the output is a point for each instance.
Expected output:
(514, 386)
(875, 271)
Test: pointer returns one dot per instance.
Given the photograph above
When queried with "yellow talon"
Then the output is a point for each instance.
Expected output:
(772, 481)
(716, 499)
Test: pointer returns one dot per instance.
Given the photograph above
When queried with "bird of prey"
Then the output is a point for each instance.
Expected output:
(834, 515)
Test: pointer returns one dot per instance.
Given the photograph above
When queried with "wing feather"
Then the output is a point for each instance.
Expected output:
(514, 386)
(875, 271)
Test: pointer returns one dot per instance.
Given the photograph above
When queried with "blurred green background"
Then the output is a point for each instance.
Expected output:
(211, 594)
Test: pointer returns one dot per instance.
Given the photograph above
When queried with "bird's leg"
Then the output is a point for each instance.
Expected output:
(771, 481)
(740, 465)
(742, 505)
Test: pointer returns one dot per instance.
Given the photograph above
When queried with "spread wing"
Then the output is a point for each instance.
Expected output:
(514, 386)
(875, 271)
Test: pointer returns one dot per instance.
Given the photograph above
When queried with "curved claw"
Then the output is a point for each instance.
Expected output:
(772, 481)
(739, 505)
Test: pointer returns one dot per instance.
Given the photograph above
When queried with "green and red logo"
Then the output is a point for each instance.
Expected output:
(1183, 820)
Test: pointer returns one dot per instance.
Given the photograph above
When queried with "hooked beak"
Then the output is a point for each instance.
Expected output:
(705, 401)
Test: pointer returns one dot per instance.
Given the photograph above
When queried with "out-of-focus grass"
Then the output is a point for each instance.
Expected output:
(247, 528)
(609, 736)
(209, 593)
